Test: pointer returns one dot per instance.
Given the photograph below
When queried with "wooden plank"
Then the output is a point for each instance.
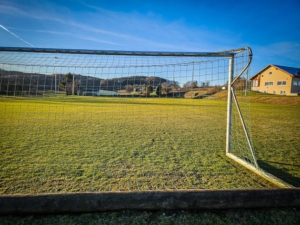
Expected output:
(149, 200)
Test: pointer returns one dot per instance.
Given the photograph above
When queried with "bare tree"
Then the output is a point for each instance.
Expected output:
(149, 89)
(165, 88)
(159, 90)
(69, 84)
(150, 79)
(129, 88)
(204, 84)
(103, 82)
(191, 84)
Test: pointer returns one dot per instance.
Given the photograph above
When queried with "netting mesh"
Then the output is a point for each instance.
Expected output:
(239, 143)
(73, 123)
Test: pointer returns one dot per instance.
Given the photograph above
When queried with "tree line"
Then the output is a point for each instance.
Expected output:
(12, 82)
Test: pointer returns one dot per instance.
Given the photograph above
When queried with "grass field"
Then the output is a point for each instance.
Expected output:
(36, 167)
(77, 144)
(111, 144)
(276, 139)
(275, 124)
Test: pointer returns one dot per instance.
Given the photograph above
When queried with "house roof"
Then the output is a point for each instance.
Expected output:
(295, 72)
(292, 70)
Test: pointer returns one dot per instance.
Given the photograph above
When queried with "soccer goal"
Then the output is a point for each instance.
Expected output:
(96, 121)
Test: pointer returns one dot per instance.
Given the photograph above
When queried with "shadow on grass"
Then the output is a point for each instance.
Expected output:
(266, 165)
(287, 164)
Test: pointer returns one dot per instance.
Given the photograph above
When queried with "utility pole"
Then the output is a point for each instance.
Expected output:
(73, 84)
(55, 77)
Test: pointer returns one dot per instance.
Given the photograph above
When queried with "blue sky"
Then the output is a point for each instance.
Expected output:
(270, 28)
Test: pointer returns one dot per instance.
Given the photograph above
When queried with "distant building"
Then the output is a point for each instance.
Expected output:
(107, 93)
(96, 92)
(139, 88)
(274, 79)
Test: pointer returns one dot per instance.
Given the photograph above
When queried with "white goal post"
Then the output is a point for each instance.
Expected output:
(98, 120)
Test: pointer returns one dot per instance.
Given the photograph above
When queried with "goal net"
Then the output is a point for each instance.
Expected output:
(84, 120)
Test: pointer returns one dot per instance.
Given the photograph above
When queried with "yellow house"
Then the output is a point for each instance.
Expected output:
(274, 79)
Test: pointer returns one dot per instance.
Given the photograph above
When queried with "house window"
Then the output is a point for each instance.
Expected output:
(269, 83)
(255, 83)
(295, 83)
(282, 92)
(274, 92)
(270, 73)
(298, 83)
(281, 82)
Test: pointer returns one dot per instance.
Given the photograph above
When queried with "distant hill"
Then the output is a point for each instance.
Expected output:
(16, 82)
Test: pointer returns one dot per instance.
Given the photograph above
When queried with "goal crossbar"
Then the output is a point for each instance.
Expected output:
(226, 53)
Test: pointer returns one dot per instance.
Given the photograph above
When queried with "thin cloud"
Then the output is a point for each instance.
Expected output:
(136, 30)
(43, 31)
(98, 40)
(84, 37)
(4, 28)
(290, 50)
(115, 18)
(119, 29)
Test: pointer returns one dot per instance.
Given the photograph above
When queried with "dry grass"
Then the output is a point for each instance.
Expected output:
(116, 144)
(265, 98)
(276, 141)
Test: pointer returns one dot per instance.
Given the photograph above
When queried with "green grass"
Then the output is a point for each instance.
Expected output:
(115, 144)
(77, 144)
(275, 124)
(276, 139)
(35, 165)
